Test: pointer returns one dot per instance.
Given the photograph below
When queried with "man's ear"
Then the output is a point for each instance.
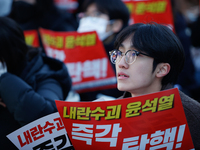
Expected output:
(117, 25)
(162, 69)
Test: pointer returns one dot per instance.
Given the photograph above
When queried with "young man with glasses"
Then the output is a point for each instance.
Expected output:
(148, 58)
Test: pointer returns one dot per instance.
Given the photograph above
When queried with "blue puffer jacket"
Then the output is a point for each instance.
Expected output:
(32, 94)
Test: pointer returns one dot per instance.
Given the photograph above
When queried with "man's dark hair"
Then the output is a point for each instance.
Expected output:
(159, 42)
(116, 9)
(13, 48)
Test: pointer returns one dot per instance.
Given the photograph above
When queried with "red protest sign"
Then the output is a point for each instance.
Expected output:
(143, 11)
(84, 56)
(153, 121)
(31, 38)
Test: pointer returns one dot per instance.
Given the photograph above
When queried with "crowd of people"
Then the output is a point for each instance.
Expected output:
(186, 14)
(30, 81)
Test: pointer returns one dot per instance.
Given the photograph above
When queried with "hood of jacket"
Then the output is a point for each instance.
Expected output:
(41, 67)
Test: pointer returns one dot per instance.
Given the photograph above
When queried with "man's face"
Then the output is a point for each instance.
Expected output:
(137, 78)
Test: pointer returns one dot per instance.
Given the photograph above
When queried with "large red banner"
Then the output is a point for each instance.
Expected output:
(153, 121)
(143, 11)
(84, 56)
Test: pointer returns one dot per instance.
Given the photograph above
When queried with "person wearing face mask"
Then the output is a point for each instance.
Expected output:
(107, 18)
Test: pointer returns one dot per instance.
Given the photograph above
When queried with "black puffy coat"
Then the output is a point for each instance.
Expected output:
(32, 94)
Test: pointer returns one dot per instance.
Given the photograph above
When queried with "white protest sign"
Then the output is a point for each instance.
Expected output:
(45, 133)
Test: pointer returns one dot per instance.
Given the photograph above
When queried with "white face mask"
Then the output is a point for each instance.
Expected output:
(95, 24)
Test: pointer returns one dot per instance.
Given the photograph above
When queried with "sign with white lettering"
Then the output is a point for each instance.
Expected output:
(84, 56)
(45, 133)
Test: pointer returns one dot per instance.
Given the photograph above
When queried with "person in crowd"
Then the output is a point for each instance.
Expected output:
(148, 58)
(186, 80)
(35, 14)
(107, 18)
(32, 83)
(195, 51)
